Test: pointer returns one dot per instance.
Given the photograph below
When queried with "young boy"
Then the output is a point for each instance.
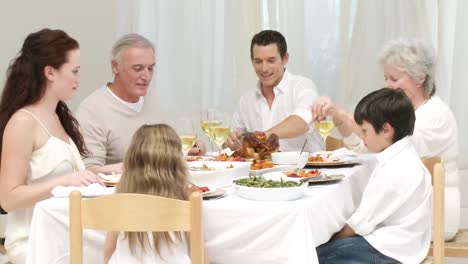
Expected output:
(393, 221)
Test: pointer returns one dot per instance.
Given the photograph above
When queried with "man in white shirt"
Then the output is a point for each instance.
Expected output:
(280, 102)
(393, 221)
(110, 115)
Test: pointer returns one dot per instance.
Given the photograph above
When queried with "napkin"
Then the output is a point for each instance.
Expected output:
(227, 151)
(110, 177)
(91, 190)
(344, 152)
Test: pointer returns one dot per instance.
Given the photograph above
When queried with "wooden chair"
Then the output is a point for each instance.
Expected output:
(333, 143)
(135, 213)
(434, 166)
(458, 246)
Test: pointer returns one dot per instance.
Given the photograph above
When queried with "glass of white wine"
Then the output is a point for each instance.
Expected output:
(220, 130)
(186, 130)
(324, 128)
(208, 120)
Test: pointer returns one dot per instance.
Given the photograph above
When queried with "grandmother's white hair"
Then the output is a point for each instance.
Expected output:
(413, 57)
(131, 40)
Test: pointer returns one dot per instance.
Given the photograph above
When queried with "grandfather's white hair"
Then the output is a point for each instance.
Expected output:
(131, 40)
(413, 57)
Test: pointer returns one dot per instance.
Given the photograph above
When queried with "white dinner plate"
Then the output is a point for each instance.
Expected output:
(317, 179)
(213, 194)
(92, 190)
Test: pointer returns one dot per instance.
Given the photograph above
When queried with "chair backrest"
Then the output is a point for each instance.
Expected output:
(434, 166)
(135, 213)
(332, 143)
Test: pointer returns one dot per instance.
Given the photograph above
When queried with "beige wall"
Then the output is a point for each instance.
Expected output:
(91, 23)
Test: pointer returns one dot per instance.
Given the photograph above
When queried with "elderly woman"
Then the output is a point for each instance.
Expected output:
(409, 65)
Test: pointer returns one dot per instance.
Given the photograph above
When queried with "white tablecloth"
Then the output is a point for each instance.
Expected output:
(236, 230)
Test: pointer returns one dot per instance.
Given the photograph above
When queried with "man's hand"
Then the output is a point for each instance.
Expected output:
(108, 169)
(233, 141)
(199, 149)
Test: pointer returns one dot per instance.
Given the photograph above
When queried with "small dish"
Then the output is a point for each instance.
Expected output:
(290, 158)
(213, 194)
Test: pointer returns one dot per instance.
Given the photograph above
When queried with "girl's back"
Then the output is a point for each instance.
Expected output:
(177, 253)
(154, 164)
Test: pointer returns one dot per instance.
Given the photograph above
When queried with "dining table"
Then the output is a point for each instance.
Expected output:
(236, 230)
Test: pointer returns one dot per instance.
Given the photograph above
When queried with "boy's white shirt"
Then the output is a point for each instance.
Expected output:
(395, 213)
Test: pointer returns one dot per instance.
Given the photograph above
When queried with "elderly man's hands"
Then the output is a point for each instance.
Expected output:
(198, 149)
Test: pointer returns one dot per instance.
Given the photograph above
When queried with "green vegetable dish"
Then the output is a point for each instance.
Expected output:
(261, 182)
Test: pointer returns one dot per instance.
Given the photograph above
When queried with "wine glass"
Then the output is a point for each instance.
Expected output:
(220, 129)
(186, 130)
(209, 119)
(324, 128)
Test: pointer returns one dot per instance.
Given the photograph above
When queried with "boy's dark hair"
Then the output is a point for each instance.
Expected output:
(387, 106)
(267, 37)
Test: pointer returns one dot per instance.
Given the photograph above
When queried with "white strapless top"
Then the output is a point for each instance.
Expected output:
(55, 158)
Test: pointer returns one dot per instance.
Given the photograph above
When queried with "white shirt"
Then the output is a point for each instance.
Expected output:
(395, 213)
(134, 106)
(293, 96)
(435, 134)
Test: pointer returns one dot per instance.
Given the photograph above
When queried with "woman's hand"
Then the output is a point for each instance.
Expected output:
(82, 178)
(322, 107)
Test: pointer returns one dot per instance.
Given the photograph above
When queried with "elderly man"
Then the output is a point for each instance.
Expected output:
(109, 116)
(280, 102)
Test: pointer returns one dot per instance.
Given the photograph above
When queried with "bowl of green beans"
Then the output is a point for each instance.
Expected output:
(259, 188)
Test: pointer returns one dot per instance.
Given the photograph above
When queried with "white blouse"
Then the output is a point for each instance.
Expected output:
(292, 97)
(395, 213)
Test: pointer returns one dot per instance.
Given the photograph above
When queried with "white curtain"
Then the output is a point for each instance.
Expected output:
(202, 51)
(440, 23)
(336, 43)
(203, 57)
(453, 43)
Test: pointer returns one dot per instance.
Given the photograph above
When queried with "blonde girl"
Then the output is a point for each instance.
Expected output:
(154, 165)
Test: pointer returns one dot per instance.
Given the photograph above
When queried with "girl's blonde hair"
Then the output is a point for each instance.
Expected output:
(154, 164)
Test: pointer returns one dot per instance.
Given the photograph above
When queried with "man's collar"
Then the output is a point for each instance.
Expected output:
(393, 150)
(282, 85)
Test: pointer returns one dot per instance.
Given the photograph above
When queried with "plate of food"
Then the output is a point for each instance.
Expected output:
(110, 179)
(259, 167)
(218, 174)
(208, 192)
(301, 173)
(225, 157)
(199, 158)
(327, 159)
(259, 188)
(304, 176)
